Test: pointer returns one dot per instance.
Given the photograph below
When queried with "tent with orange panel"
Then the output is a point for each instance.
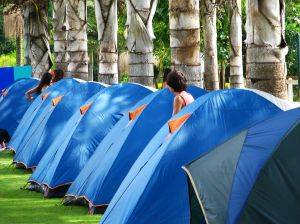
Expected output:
(34, 113)
(42, 133)
(101, 177)
(70, 151)
(155, 189)
(13, 104)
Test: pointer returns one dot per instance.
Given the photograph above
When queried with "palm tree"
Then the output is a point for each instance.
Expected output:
(266, 46)
(107, 24)
(185, 39)
(77, 42)
(70, 37)
(139, 40)
(60, 26)
(211, 74)
(236, 42)
(36, 32)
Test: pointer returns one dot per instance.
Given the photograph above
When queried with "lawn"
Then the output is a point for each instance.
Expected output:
(22, 206)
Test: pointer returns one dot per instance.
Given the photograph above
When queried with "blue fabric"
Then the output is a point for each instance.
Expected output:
(6, 77)
(14, 104)
(35, 111)
(110, 163)
(71, 150)
(155, 189)
(22, 72)
(260, 143)
(38, 140)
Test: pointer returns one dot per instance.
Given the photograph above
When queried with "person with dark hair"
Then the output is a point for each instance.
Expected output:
(44, 83)
(177, 83)
(166, 72)
(58, 74)
(4, 138)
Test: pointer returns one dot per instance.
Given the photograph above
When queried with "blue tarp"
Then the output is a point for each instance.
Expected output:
(34, 112)
(71, 150)
(22, 72)
(37, 141)
(113, 158)
(155, 189)
(6, 77)
(14, 105)
(10, 74)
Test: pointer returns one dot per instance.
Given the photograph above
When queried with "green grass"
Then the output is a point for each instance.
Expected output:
(22, 206)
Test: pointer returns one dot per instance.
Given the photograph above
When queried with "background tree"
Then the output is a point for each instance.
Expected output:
(107, 25)
(139, 40)
(185, 38)
(266, 46)
(236, 43)
(77, 42)
(13, 28)
(211, 76)
(60, 27)
(36, 33)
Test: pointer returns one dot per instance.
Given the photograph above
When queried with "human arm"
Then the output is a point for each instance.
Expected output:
(29, 93)
(177, 105)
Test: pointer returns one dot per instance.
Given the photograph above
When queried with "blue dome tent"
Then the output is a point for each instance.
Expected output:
(110, 163)
(71, 150)
(253, 177)
(14, 105)
(155, 189)
(37, 141)
(34, 112)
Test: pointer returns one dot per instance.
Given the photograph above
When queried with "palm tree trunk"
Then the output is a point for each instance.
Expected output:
(140, 37)
(185, 39)
(107, 24)
(61, 26)
(211, 74)
(77, 43)
(37, 47)
(266, 46)
(19, 50)
(222, 75)
(236, 42)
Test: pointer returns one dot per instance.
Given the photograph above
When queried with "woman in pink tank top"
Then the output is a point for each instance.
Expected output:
(176, 82)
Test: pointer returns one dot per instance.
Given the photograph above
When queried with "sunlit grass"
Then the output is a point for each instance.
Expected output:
(22, 206)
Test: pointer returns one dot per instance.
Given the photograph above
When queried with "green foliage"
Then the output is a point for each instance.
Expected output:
(26, 207)
(124, 78)
(292, 29)
(92, 27)
(223, 26)
(121, 29)
(161, 29)
(8, 60)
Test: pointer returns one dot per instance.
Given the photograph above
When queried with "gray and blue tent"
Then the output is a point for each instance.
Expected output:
(70, 151)
(38, 139)
(34, 112)
(251, 178)
(104, 172)
(14, 105)
(155, 189)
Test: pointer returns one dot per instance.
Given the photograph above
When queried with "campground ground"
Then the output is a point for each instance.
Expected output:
(23, 207)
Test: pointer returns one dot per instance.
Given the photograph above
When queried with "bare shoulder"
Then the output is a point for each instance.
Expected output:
(178, 99)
